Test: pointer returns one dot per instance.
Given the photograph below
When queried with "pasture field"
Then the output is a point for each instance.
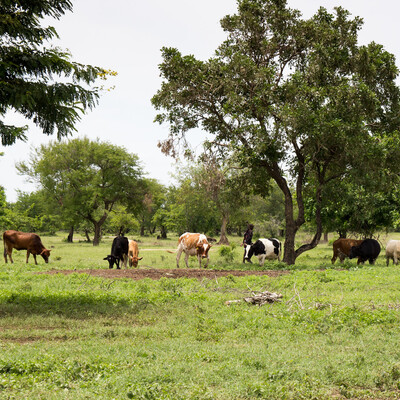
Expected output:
(335, 334)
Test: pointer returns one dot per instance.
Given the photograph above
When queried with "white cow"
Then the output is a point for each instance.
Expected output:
(392, 251)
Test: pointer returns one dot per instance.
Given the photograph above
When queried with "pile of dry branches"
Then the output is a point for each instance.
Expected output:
(259, 298)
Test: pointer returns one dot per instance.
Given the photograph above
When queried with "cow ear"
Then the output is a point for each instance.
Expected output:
(141, 258)
(106, 258)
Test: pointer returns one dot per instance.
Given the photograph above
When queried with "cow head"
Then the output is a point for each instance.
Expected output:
(134, 261)
(111, 261)
(354, 252)
(45, 254)
(202, 249)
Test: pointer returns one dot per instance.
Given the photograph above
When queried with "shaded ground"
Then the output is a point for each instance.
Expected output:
(155, 273)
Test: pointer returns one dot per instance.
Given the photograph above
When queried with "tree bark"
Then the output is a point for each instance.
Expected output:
(223, 239)
(97, 234)
(70, 237)
(87, 236)
(97, 229)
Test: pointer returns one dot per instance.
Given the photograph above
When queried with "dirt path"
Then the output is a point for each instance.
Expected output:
(155, 273)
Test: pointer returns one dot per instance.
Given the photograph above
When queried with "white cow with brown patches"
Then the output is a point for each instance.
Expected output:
(193, 244)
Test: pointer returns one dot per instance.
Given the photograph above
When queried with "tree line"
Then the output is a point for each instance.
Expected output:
(95, 187)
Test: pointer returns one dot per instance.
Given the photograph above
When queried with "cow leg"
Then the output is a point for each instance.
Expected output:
(8, 252)
(187, 260)
(117, 263)
(125, 257)
(34, 257)
(395, 259)
(334, 257)
(27, 256)
(207, 261)
(178, 257)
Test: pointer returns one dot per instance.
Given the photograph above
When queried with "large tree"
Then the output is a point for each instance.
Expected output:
(29, 67)
(297, 101)
(87, 178)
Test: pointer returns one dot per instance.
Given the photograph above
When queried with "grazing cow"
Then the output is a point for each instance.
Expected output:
(393, 251)
(133, 254)
(369, 249)
(341, 248)
(119, 251)
(264, 249)
(193, 244)
(24, 241)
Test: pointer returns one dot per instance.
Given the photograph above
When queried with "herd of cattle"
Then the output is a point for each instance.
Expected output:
(196, 244)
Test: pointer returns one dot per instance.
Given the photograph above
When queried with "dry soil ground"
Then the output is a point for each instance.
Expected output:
(155, 273)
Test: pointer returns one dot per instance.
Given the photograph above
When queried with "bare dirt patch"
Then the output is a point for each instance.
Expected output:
(155, 273)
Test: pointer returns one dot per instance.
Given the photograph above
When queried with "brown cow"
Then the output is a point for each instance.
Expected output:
(341, 248)
(133, 254)
(193, 244)
(24, 241)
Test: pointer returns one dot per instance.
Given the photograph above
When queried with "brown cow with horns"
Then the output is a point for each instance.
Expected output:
(24, 241)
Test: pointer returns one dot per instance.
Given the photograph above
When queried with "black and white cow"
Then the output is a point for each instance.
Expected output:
(264, 249)
(369, 249)
(119, 251)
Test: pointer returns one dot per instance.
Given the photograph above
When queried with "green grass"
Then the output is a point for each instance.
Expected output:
(334, 335)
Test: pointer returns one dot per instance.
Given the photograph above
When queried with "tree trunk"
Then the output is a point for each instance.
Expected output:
(97, 234)
(163, 232)
(223, 239)
(289, 253)
(70, 237)
(325, 240)
(87, 235)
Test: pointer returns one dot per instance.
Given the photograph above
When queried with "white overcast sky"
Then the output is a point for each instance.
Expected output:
(126, 36)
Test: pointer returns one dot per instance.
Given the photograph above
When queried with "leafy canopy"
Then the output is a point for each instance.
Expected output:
(38, 81)
(87, 178)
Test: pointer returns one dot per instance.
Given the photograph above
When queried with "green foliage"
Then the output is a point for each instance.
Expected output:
(227, 253)
(32, 212)
(86, 179)
(188, 209)
(120, 221)
(37, 81)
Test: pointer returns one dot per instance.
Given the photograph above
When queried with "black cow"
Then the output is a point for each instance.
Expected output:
(369, 249)
(119, 251)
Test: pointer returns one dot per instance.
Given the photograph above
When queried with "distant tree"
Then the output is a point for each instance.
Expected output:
(28, 72)
(294, 100)
(359, 206)
(154, 196)
(188, 208)
(226, 187)
(3, 206)
(121, 221)
(87, 178)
